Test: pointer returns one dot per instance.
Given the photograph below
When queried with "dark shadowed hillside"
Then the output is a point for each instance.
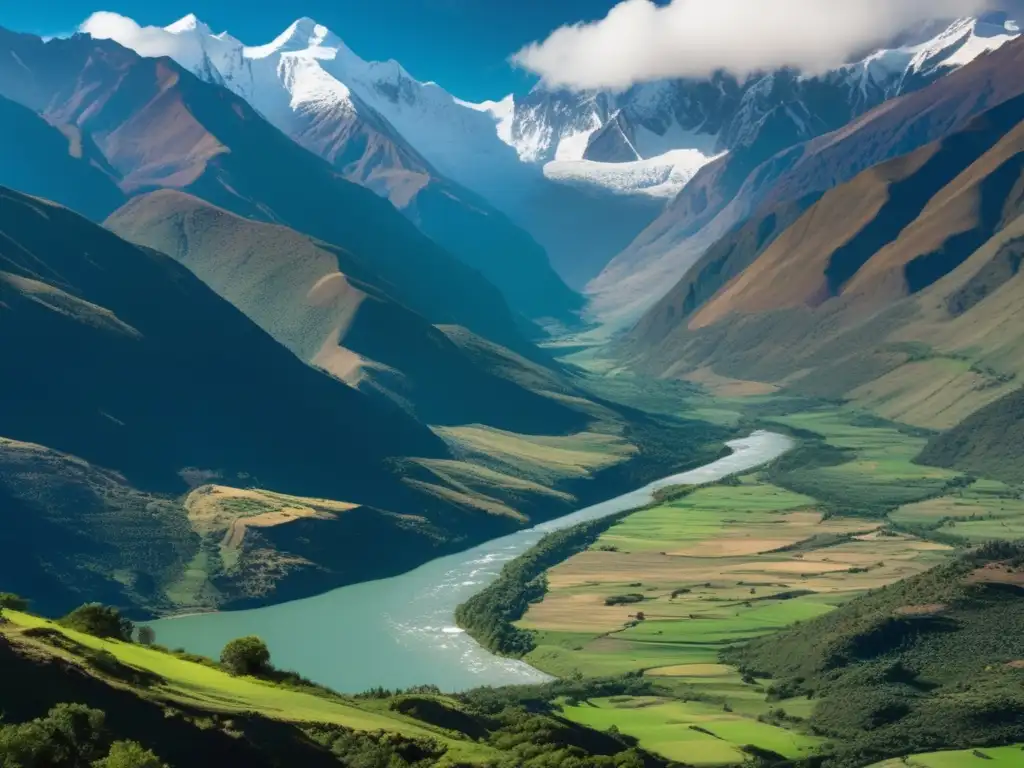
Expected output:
(57, 163)
(987, 443)
(299, 291)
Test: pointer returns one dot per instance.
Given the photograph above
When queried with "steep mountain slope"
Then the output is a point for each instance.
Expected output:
(298, 290)
(845, 242)
(768, 165)
(727, 258)
(179, 458)
(898, 289)
(55, 163)
(313, 88)
(159, 126)
(136, 378)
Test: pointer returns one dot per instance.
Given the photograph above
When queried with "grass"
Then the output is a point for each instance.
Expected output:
(722, 565)
(987, 757)
(211, 689)
(541, 459)
(669, 727)
(694, 519)
(881, 472)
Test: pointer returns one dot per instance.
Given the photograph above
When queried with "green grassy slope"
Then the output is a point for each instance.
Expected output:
(193, 713)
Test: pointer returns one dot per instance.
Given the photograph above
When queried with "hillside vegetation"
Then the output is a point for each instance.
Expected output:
(932, 662)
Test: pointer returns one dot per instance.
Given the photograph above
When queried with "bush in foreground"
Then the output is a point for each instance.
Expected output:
(246, 656)
(99, 621)
(13, 602)
(129, 754)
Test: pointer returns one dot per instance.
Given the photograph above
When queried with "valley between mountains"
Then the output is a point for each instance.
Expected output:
(280, 323)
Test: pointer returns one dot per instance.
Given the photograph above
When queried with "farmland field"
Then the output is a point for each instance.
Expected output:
(691, 732)
(724, 564)
(665, 590)
(986, 757)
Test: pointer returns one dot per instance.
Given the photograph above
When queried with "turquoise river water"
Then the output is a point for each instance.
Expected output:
(401, 631)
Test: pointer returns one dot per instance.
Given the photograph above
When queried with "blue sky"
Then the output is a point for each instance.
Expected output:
(461, 44)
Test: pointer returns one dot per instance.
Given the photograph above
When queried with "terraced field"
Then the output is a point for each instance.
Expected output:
(691, 732)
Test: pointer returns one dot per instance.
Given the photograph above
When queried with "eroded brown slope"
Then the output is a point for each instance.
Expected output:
(727, 193)
(899, 289)
(904, 218)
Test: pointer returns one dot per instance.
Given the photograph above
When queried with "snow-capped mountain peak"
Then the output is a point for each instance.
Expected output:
(302, 35)
(309, 70)
(187, 23)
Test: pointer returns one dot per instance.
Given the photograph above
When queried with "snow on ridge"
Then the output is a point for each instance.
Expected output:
(502, 111)
(663, 176)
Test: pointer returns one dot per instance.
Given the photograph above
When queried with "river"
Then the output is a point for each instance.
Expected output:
(401, 631)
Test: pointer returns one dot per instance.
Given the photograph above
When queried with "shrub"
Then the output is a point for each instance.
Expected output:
(13, 602)
(624, 599)
(146, 636)
(129, 754)
(69, 735)
(99, 621)
(246, 656)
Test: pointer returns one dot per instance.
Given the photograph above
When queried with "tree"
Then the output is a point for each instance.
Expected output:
(246, 656)
(129, 754)
(100, 621)
(146, 636)
(69, 735)
(13, 602)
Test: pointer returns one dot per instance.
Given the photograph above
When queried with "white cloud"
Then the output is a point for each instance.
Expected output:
(639, 41)
(146, 41)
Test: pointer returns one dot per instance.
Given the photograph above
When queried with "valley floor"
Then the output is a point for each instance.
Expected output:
(664, 591)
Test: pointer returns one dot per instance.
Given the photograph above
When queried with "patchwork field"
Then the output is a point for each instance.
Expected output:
(983, 511)
(725, 564)
(986, 757)
(666, 589)
(691, 732)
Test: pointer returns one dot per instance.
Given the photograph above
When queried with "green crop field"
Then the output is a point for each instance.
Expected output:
(986, 757)
(879, 472)
(670, 728)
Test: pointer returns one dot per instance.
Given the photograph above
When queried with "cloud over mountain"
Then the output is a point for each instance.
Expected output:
(639, 41)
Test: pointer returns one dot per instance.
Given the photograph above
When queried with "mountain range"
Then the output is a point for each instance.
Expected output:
(851, 235)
